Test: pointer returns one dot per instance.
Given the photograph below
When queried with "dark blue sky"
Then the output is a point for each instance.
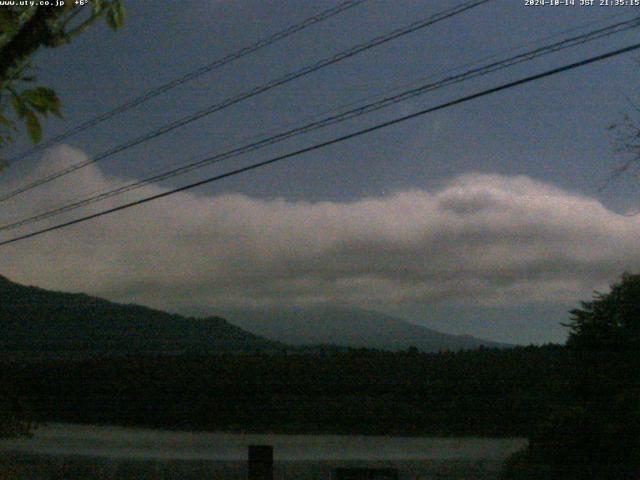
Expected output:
(553, 131)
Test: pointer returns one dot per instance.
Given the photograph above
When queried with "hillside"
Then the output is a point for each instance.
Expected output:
(38, 323)
(348, 328)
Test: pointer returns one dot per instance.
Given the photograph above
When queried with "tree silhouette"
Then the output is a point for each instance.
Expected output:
(598, 436)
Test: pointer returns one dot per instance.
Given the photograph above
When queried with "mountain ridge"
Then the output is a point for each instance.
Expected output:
(40, 323)
(35, 322)
(348, 327)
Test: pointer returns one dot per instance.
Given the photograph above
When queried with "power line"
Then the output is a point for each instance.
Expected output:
(333, 141)
(334, 119)
(253, 92)
(92, 197)
(260, 44)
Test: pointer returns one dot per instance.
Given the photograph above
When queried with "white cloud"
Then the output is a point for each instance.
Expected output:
(480, 239)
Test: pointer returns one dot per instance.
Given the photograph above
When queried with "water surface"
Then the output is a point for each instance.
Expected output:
(117, 442)
(114, 453)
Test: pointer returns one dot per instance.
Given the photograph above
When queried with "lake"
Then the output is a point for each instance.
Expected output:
(80, 451)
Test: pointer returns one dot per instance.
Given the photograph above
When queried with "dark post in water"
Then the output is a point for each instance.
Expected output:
(260, 462)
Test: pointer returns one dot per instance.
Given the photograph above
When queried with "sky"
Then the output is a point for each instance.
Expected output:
(487, 218)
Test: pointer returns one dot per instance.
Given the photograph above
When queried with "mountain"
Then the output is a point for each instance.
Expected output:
(349, 328)
(38, 323)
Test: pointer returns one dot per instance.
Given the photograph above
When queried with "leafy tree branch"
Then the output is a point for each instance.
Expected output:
(23, 31)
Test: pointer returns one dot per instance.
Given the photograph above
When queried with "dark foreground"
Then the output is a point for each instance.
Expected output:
(29, 467)
(487, 392)
(80, 452)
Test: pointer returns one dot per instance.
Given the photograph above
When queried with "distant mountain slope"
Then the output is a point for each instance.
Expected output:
(42, 323)
(348, 327)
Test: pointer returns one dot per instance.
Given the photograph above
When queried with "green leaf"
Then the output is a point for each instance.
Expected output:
(19, 106)
(115, 15)
(44, 100)
(111, 21)
(33, 127)
(97, 5)
(55, 108)
(37, 101)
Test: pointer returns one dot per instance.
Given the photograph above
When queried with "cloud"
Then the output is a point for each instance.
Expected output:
(479, 240)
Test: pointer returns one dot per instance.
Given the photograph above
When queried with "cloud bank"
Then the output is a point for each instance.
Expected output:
(480, 239)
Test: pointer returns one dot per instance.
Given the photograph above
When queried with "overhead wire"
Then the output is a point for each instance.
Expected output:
(333, 141)
(334, 119)
(321, 114)
(187, 77)
(377, 41)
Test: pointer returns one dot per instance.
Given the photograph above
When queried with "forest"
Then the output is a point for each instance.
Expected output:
(488, 392)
